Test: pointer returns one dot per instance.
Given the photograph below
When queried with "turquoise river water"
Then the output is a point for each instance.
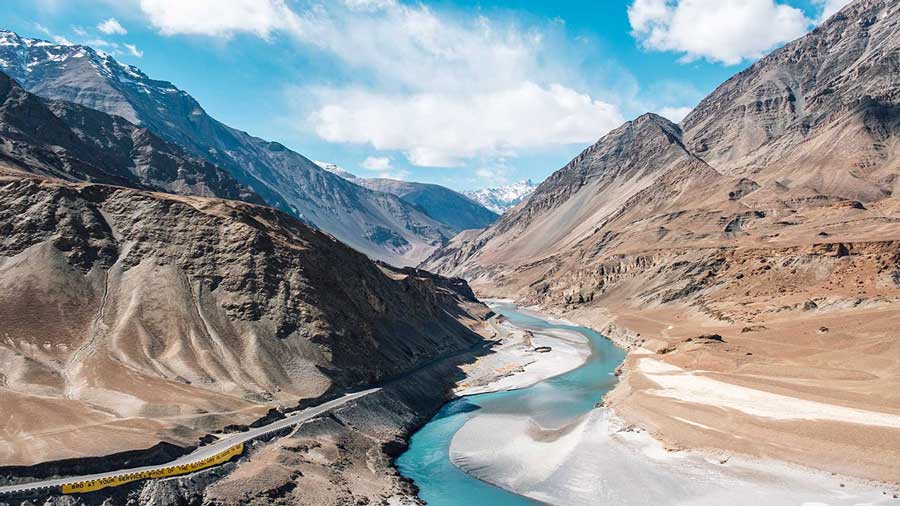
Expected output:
(553, 402)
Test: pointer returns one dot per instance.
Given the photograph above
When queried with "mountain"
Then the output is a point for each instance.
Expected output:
(502, 198)
(133, 317)
(444, 205)
(68, 141)
(813, 125)
(440, 203)
(756, 243)
(378, 224)
(335, 169)
(819, 113)
(572, 206)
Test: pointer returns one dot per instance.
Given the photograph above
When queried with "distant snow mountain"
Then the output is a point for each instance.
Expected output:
(382, 225)
(502, 198)
(335, 169)
(446, 206)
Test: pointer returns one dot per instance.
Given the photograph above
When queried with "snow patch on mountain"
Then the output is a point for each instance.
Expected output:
(336, 169)
(502, 198)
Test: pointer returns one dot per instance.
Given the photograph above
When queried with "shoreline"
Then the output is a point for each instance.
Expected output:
(514, 363)
(636, 468)
(490, 448)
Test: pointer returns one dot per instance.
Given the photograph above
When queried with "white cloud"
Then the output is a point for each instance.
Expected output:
(400, 174)
(134, 50)
(674, 114)
(220, 17)
(79, 31)
(492, 176)
(369, 5)
(112, 27)
(58, 39)
(440, 87)
(100, 43)
(376, 163)
(443, 130)
(726, 31)
(830, 7)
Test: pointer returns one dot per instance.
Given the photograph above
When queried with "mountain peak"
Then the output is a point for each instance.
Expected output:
(500, 199)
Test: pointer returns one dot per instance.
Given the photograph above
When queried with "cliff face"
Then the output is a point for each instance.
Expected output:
(178, 315)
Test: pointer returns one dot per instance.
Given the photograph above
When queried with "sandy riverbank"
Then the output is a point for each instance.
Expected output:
(516, 364)
(602, 458)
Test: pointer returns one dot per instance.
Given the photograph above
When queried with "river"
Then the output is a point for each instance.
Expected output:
(551, 403)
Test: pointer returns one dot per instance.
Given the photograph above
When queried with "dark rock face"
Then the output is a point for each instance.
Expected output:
(68, 141)
(282, 178)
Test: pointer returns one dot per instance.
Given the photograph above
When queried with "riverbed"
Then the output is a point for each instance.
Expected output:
(551, 445)
(552, 403)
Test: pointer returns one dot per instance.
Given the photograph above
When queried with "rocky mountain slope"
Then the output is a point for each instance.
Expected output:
(378, 224)
(132, 317)
(500, 199)
(820, 113)
(770, 217)
(450, 208)
(68, 141)
(442, 204)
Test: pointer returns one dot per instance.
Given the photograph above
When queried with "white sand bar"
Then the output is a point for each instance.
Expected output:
(677, 383)
(514, 364)
(596, 462)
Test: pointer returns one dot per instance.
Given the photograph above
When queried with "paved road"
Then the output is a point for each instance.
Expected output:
(201, 453)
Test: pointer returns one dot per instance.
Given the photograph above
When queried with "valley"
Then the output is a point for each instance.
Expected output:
(749, 252)
(700, 307)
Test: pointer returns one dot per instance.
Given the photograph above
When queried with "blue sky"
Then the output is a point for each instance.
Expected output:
(456, 92)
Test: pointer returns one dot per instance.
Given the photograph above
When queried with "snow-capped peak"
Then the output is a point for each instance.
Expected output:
(335, 169)
(502, 198)
(22, 58)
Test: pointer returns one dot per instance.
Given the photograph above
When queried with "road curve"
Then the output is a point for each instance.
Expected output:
(200, 454)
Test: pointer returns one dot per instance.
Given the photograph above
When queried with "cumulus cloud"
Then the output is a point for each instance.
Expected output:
(675, 114)
(441, 88)
(726, 31)
(369, 5)
(112, 27)
(134, 50)
(830, 7)
(443, 130)
(101, 43)
(492, 176)
(376, 163)
(59, 39)
(220, 17)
